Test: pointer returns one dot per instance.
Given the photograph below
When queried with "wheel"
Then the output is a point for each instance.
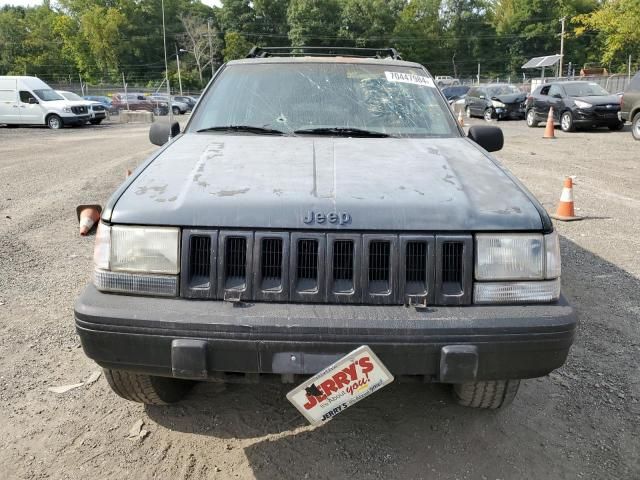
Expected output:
(96, 122)
(566, 122)
(147, 389)
(175, 110)
(491, 394)
(156, 111)
(488, 114)
(54, 122)
(635, 126)
(531, 118)
(467, 111)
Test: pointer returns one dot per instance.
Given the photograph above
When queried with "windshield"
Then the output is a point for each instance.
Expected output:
(584, 89)
(47, 95)
(342, 97)
(503, 90)
(71, 96)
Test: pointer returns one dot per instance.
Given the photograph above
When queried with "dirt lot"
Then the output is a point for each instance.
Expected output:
(580, 422)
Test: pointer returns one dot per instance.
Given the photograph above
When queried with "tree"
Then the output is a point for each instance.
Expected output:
(197, 42)
(236, 46)
(369, 23)
(616, 23)
(314, 22)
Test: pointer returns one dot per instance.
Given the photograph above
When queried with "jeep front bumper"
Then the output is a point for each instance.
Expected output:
(203, 339)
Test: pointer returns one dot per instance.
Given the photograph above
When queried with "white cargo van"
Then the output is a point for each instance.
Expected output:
(30, 101)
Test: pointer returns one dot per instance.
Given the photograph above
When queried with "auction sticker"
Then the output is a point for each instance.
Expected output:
(339, 386)
(410, 78)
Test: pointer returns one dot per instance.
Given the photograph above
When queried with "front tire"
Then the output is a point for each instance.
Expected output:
(491, 394)
(531, 118)
(488, 114)
(95, 122)
(635, 126)
(566, 122)
(467, 111)
(176, 110)
(54, 122)
(147, 389)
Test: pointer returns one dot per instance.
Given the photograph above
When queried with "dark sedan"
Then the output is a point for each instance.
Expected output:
(575, 104)
(495, 100)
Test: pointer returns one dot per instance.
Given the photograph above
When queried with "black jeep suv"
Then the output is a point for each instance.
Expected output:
(575, 104)
(312, 205)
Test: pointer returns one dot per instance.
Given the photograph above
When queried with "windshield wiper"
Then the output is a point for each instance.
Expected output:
(342, 131)
(243, 128)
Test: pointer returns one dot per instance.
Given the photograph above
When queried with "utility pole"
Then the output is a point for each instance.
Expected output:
(166, 67)
(562, 20)
(210, 46)
(179, 76)
(478, 74)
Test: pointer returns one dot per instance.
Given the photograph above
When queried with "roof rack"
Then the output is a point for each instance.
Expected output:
(359, 52)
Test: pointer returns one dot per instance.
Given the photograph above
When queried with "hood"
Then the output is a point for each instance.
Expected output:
(600, 99)
(236, 181)
(511, 98)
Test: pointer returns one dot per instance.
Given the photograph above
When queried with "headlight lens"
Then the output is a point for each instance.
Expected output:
(581, 104)
(553, 267)
(145, 249)
(102, 247)
(497, 104)
(510, 257)
(516, 292)
(67, 109)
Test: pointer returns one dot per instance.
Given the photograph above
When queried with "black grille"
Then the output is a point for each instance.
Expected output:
(307, 261)
(271, 261)
(235, 261)
(98, 108)
(79, 110)
(416, 261)
(452, 267)
(343, 260)
(379, 253)
(199, 261)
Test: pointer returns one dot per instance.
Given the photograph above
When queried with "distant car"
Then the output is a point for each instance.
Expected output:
(139, 102)
(575, 104)
(177, 107)
(446, 80)
(104, 101)
(495, 100)
(190, 101)
(97, 111)
(455, 93)
(630, 106)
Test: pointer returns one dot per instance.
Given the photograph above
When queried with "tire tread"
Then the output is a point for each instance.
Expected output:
(491, 394)
(145, 388)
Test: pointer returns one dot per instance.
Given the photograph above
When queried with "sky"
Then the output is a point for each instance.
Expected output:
(27, 3)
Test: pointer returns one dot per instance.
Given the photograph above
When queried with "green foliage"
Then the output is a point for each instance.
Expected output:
(313, 22)
(236, 46)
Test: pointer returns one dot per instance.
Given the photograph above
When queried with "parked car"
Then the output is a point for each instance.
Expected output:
(29, 101)
(455, 93)
(177, 107)
(104, 101)
(97, 111)
(139, 102)
(575, 104)
(446, 80)
(630, 106)
(495, 100)
(190, 101)
(342, 206)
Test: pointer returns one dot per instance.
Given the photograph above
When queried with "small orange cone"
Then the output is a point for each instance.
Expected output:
(88, 216)
(460, 118)
(549, 131)
(127, 173)
(566, 212)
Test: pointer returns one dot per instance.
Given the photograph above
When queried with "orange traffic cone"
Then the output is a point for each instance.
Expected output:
(549, 131)
(565, 210)
(88, 215)
(460, 118)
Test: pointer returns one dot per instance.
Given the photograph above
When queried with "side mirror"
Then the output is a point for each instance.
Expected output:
(489, 138)
(33, 101)
(161, 132)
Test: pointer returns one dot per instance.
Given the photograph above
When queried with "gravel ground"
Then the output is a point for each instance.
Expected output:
(581, 421)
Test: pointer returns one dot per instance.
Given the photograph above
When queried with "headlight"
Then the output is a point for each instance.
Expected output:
(581, 104)
(497, 104)
(142, 260)
(67, 109)
(517, 268)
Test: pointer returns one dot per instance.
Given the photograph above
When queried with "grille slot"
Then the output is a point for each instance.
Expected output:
(235, 263)
(343, 265)
(344, 275)
(271, 263)
(307, 265)
(379, 270)
(416, 268)
(199, 262)
(452, 268)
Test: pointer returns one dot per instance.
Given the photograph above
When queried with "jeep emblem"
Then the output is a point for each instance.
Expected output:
(341, 218)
